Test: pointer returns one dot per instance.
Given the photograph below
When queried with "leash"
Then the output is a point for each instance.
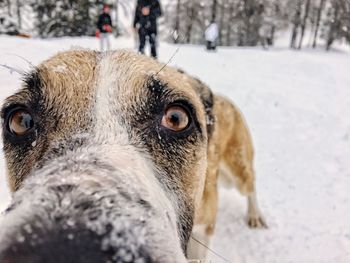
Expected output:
(209, 249)
(170, 59)
(176, 36)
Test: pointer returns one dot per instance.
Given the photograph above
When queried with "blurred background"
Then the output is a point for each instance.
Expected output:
(240, 22)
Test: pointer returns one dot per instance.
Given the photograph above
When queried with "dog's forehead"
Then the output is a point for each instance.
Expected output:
(79, 72)
(71, 73)
(131, 72)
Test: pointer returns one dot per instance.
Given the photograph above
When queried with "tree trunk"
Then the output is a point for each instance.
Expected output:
(303, 24)
(177, 22)
(221, 23)
(116, 19)
(332, 33)
(271, 39)
(229, 25)
(9, 7)
(213, 11)
(272, 35)
(296, 24)
(19, 17)
(318, 19)
(190, 23)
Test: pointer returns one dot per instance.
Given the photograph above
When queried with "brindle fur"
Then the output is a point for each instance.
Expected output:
(69, 95)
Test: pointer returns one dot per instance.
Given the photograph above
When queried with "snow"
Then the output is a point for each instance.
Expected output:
(297, 106)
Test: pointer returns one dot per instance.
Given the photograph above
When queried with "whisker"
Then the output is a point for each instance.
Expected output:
(23, 58)
(12, 69)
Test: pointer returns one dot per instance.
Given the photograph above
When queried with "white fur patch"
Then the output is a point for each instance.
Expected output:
(108, 125)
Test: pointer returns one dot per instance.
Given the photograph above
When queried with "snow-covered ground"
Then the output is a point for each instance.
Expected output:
(297, 105)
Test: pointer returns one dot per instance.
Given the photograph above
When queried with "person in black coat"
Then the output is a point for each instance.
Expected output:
(146, 15)
(104, 28)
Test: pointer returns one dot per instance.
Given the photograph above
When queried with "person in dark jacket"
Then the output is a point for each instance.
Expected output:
(146, 15)
(104, 28)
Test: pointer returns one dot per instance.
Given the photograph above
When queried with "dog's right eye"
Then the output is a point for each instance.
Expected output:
(176, 119)
(20, 122)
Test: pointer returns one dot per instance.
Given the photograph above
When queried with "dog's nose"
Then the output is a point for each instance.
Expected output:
(71, 245)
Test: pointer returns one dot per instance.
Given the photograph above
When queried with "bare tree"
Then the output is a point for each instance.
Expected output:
(19, 16)
(229, 24)
(191, 16)
(9, 7)
(296, 24)
(213, 10)
(177, 22)
(303, 24)
(318, 19)
(116, 17)
(337, 22)
(333, 29)
(221, 21)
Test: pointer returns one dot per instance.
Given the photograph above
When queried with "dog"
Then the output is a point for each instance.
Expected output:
(115, 157)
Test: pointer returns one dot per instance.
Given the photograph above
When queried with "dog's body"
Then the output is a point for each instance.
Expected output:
(118, 158)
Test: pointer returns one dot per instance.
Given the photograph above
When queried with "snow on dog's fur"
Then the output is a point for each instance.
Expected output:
(100, 176)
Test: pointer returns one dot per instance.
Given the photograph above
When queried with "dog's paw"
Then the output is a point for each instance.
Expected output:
(256, 221)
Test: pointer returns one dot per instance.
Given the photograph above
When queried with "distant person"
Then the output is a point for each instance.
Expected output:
(145, 22)
(263, 32)
(211, 35)
(104, 28)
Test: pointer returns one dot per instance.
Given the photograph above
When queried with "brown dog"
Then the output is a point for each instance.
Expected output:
(114, 158)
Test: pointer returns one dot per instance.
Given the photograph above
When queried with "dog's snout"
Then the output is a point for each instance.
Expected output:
(85, 215)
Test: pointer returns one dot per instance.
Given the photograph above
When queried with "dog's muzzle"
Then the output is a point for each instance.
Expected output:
(83, 208)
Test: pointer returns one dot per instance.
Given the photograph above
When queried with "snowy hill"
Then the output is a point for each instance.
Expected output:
(297, 107)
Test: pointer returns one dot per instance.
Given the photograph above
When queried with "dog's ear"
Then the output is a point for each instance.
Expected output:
(207, 98)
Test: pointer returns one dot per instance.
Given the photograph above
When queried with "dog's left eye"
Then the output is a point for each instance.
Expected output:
(176, 119)
(20, 122)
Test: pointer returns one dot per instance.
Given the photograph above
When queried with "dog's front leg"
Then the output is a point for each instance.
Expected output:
(255, 219)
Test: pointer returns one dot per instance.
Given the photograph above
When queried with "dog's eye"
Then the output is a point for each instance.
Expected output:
(20, 122)
(175, 118)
